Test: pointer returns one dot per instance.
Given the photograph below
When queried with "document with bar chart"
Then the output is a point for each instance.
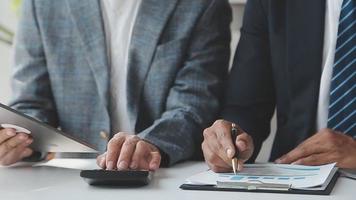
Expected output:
(296, 176)
(277, 177)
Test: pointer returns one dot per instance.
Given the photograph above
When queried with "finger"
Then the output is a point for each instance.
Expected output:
(244, 144)
(223, 132)
(314, 145)
(155, 161)
(13, 142)
(214, 162)
(113, 150)
(298, 153)
(16, 154)
(316, 159)
(101, 161)
(127, 150)
(139, 160)
(98, 160)
(6, 133)
(241, 145)
(28, 152)
(19, 139)
(217, 169)
(225, 139)
(215, 146)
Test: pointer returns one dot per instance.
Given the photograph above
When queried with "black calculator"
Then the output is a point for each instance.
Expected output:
(131, 178)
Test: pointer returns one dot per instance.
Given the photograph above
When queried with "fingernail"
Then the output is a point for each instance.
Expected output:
(122, 165)
(10, 133)
(110, 165)
(278, 161)
(133, 165)
(102, 163)
(229, 153)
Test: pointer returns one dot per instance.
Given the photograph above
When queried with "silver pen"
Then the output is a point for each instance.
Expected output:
(234, 161)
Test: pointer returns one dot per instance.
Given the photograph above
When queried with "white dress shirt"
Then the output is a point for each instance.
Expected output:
(332, 14)
(119, 18)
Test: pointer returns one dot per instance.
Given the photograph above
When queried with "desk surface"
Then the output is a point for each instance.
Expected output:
(36, 183)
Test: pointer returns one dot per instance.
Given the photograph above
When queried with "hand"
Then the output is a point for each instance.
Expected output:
(326, 146)
(219, 149)
(13, 146)
(126, 152)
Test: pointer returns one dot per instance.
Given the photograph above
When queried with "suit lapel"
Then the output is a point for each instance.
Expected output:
(87, 17)
(150, 22)
(305, 39)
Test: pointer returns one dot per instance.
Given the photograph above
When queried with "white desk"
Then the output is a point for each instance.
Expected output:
(49, 183)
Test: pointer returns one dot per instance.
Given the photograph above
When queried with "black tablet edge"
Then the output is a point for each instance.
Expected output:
(46, 126)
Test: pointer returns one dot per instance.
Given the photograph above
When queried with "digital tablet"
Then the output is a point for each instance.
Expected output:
(45, 137)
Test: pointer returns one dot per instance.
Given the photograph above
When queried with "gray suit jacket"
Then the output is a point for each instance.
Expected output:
(178, 61)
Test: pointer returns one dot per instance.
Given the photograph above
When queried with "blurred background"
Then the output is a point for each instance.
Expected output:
(9, 11)
(8, 22)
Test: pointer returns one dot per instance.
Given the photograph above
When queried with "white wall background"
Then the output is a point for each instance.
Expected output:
(8, 18)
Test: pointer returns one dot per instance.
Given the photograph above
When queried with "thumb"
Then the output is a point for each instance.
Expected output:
(244, 143)
(155, 161)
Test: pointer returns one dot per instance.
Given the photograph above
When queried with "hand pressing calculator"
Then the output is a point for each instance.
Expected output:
(130, 178)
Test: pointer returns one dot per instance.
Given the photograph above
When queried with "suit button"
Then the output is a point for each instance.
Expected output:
(104, 135)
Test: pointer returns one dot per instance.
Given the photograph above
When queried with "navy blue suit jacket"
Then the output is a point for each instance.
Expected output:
(277, 66)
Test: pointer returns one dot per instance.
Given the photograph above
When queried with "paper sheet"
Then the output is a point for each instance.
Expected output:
(297, 176)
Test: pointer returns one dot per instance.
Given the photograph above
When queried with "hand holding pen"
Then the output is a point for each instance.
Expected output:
(220, 146)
